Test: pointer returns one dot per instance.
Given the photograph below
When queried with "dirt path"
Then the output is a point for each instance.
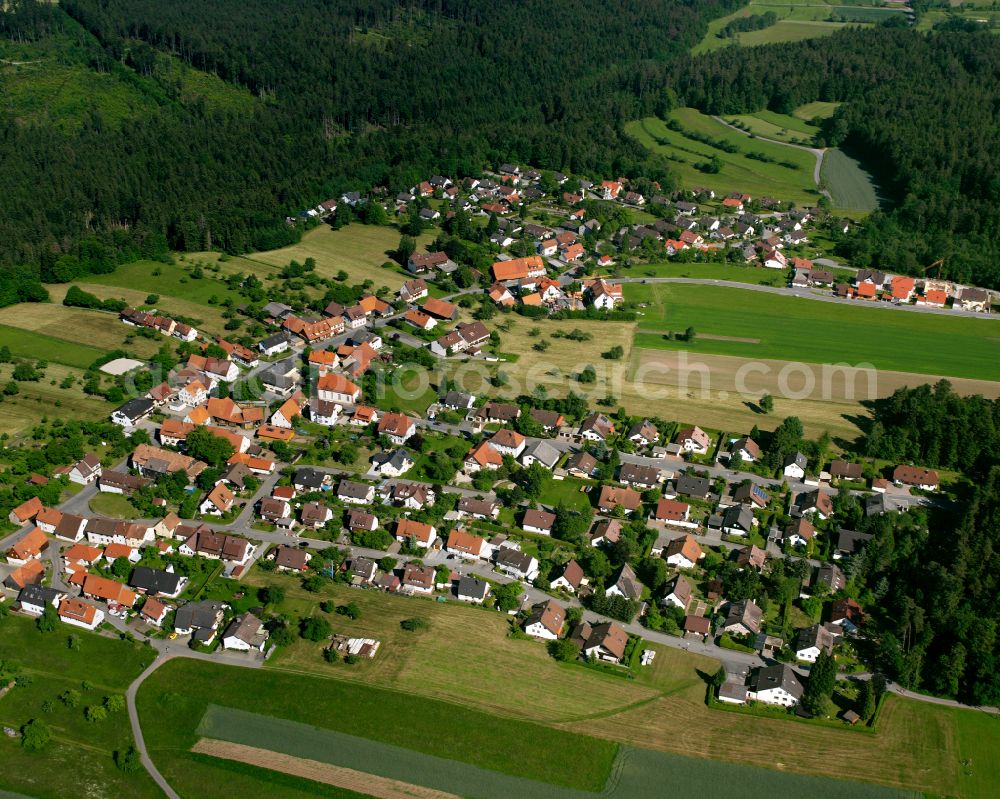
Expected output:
(359, 781)
(816, 151)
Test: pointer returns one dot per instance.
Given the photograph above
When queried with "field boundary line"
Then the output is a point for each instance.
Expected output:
(317, 771)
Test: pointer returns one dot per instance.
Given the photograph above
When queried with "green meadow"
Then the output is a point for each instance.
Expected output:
(800, 329)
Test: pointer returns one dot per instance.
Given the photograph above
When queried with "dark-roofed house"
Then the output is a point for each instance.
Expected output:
(549, 420)
(515, 563)
(641, 477)
(157, 582)
(289, 558)
(690, 486)
(199, 620)
(498, 413)
(478, 508)
(132, 412)
(112, 482)
(472, 590)
(831, 576)
(355, 493)
(309, 480)
(849, 542)
(842, 470)
(775, 685)
(738, 520)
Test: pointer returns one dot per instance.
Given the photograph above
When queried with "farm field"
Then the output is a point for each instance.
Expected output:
(797, 19)
(735, 273)
(170, 281)
(887, 338)
(636, 774)
(912, 750)
(100, 667)
(566, 358)
(99, 329)
(450, 665)
(21, 412)
(360, 250)
(772, 125)
(48, 348)
(738, 172)
(519, 748)
(815, 110)
(850, 186)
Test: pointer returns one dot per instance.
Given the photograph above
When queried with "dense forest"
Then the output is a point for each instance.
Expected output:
(350, 96)
(934, 576)
(920, 108)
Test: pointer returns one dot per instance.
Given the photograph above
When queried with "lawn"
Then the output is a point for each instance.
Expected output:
(738, 172)
(887, 338)
(171, 717)
(567, 492)
(556, 367)
(849, 185)
(179, 294)
(116, 506)
(100, 667)
(360, 250)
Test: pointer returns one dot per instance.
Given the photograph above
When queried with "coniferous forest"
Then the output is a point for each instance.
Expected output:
(349, 97)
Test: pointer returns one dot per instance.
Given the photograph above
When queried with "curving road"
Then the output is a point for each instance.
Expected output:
(816, 151)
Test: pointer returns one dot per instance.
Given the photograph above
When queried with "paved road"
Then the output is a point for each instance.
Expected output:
(140, 741)
(816, 152)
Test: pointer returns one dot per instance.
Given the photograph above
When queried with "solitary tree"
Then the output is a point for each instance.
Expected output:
(35, 735)
(819, 688)
(767, 403)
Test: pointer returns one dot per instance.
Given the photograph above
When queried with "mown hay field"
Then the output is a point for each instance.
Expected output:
(789, 175)
(813, 331)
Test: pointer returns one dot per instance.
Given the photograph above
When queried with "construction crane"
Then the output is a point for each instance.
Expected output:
(938, 262)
